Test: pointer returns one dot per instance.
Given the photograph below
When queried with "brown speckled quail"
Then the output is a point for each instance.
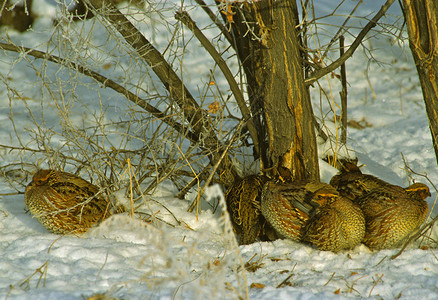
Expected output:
(243, 204)
(352, 183)
(314, 213)
(392, 214)
(288, 207)
(338, 224)
(64, 203)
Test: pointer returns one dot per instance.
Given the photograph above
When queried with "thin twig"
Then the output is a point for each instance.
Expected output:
(178, 92)
(101, 268)
(375, 283)
(192, 183)
(106, 83)
(284, 282)
(318, 127)
(337, 63)
(341, 30)
(210, 177)
(216, 21)
(331, 278)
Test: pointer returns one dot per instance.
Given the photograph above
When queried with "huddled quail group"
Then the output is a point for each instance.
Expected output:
(354, 208)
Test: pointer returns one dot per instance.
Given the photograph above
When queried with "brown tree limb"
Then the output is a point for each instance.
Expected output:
(341, 29)
(106, 82)
(178, 92)
(172, 82)
(279, 81)
(242, 24)
(186, 20)
(337, 63)
(343, 94)
(216, 21)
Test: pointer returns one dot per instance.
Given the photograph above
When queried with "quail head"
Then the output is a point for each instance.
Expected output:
(64, 203)
(418, 191)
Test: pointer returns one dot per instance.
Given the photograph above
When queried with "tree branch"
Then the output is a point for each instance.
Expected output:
(341, 29)
(186, 20)
(337, 63)
(177, 90)
(216, 21)
(343, 94)
(106, 83)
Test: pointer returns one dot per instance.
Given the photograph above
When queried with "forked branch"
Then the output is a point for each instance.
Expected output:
(186, 20)
(171, 81)
(337, 63)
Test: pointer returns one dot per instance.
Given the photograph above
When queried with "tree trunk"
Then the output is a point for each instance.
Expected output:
(275, 76)
(421, 19)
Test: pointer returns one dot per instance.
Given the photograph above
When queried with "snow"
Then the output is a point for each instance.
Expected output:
(197, 257)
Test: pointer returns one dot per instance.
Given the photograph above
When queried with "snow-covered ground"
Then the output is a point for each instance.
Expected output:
(197, 258)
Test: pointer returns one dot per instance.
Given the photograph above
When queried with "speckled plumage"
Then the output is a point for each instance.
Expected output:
(338, 224)
(64, 203)
(352, 183)
(288, 206)
(243, 204)
(392, 214)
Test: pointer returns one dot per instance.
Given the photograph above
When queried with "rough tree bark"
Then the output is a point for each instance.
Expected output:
(422, 23)
(268, 46)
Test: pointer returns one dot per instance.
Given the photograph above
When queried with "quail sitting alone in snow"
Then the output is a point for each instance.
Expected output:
(64, 203)
(243, 204)
(313, 212)
(392, 214)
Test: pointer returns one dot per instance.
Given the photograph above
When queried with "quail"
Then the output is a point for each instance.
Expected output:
(392, 214)
(352, 183)
(288, 207)
(64, 203)
(337, 224)
(243, 205)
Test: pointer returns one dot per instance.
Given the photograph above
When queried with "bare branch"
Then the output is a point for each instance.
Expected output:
(215, 167)
(186, 20)
(216, 21)
(106, 83)
(171, 81)
(341, 29)
(337, 63)
(343, 94)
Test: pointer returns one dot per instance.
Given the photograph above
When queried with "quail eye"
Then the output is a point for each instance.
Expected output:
(39, 182)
